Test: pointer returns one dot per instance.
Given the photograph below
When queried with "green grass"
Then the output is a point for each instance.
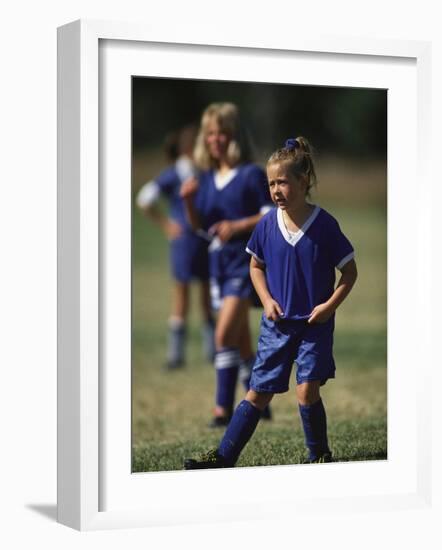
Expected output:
(271, 445)
(170, 410)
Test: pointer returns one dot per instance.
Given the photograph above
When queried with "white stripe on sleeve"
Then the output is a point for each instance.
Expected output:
(345, 260)
(257, 258)
(184, 168)
(148, 194)
(266, 208)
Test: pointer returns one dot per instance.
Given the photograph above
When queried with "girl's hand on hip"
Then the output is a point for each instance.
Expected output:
(273, 310)
(224, 230)
(321, 314)
(188, 188)
(173, 230)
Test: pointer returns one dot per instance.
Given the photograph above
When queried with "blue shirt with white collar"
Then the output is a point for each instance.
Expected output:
(242, 193)
(300, 267)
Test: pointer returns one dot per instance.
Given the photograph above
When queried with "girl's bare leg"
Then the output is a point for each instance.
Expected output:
(260, 400)
(177, 325)
(208, 324)
(229, 327)
(180, 301)
(308, 392)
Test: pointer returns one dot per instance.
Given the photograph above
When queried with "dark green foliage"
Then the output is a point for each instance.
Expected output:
(349, 121)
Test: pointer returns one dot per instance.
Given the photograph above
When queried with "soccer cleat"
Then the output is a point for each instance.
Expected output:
(207, 460)
(173, 364)
(219, 421)
(266, 414)
(325, 458)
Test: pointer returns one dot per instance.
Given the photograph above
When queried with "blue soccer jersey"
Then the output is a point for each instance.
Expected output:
(243, 194)
(300, 267)
(188, 251)
(169, 183)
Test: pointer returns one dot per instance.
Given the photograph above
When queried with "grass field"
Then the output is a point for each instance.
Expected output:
(170, 410)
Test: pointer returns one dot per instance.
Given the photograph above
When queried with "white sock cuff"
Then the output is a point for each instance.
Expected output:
(227, 358)
(176, 322)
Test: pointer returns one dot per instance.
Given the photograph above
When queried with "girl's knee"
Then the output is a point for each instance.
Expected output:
(259, 399)
(230, 322)
(225, 337)
(308, 393)
(222, 340)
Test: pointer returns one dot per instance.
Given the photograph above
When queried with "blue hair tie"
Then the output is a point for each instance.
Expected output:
(292, 143)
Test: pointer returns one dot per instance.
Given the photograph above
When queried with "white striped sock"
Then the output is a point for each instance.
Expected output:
(227, 358)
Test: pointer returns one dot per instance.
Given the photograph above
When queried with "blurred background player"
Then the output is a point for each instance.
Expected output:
(188, 251)
(226, 201)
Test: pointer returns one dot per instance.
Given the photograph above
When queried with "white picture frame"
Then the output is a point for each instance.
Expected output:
(81, 472)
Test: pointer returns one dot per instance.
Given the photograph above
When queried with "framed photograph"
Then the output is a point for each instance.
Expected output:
(125, 422)
(176, 308)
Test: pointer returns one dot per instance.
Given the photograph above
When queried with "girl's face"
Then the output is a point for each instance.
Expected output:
(286, 190)
(217, 140)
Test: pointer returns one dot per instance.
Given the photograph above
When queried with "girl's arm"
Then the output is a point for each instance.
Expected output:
(259, 196)
(272, 309)
(187, 193)
(171, 229)
(322, 312)
(147, 200)
(226, 229)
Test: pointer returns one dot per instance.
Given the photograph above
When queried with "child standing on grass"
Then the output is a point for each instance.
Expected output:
(294, 250)
(188, 252)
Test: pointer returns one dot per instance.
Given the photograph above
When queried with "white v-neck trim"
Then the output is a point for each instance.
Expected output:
(293, 238)
(222, 180)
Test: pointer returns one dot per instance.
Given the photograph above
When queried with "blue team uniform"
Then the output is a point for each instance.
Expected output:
(300, 274)
(244, 195)
(188, 252)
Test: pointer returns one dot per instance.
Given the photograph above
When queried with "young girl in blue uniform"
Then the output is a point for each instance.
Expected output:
(226, 202)
(295, 250)
(188, 251)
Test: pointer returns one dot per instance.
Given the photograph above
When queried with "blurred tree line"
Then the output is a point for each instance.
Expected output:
(342, 121)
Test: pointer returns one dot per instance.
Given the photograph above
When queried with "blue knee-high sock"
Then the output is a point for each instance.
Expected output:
(177, 340)
(239, 431)
(245, 374)
(226, 365)
(314, 422)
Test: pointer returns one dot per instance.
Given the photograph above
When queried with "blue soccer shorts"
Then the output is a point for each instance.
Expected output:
(189, 258)
(220, 287)
(285, 342)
